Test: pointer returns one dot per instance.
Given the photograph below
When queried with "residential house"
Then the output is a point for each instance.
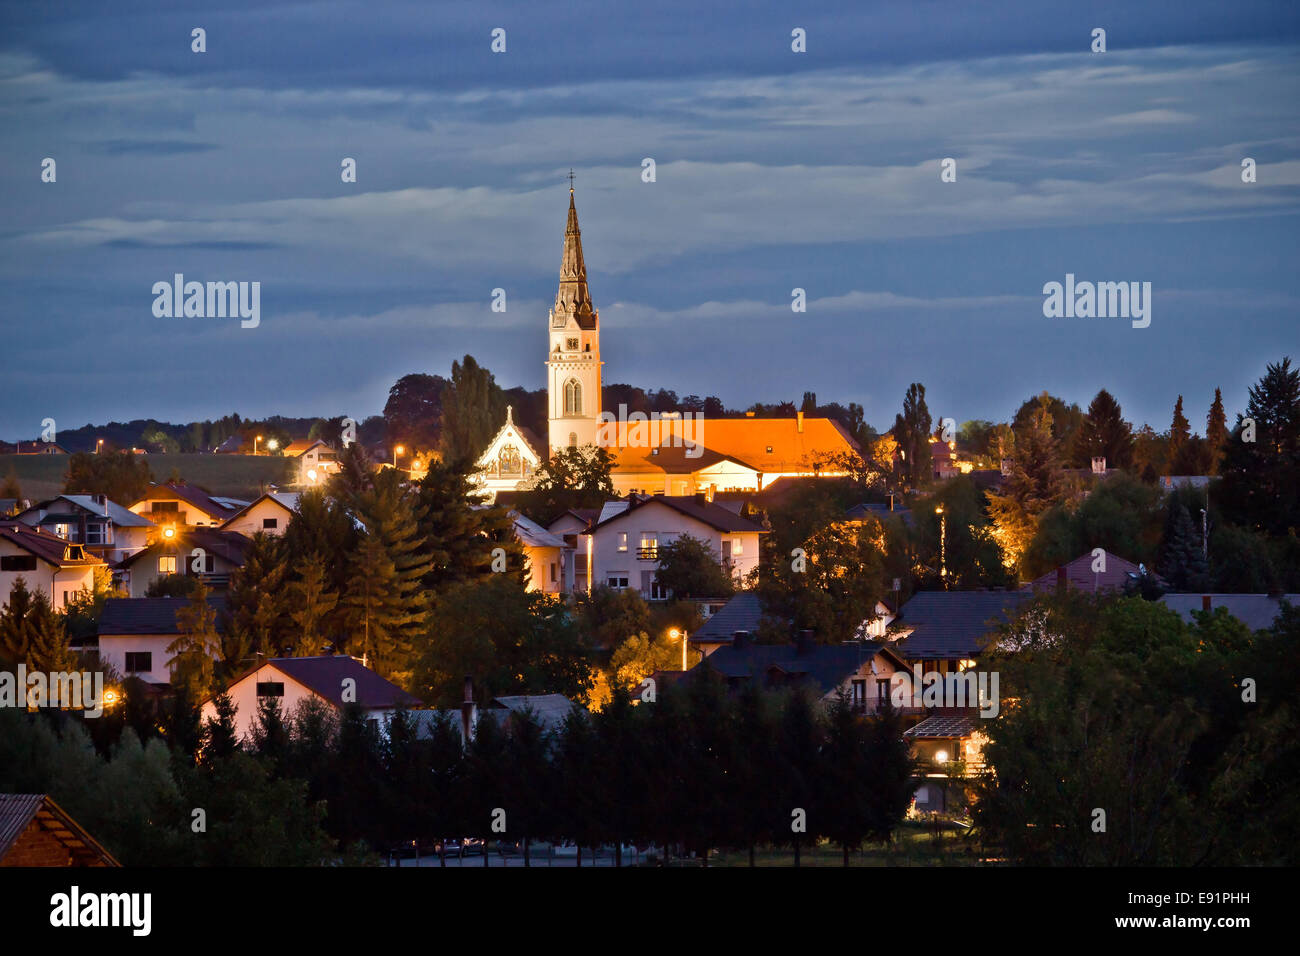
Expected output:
(944, 744)
(948, 631)
(315, 459)
(627, 537)
(550, 559)
(270, 513)
(1089, 572)
(1257, 611)
(337, 680)
(45, 561)
(550, 710)
(208, 553)
(134, 634)
(34, 448)
(570, 526)
(178, 503)
(108, 530)
(36, 831)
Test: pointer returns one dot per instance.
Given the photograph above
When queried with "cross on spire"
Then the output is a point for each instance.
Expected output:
(570, 179)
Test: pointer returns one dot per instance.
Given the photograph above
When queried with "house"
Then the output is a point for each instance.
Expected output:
(270, 513)
(944, 631)
(1112, 574)
(570, 526)
(134, 634)
(36, 831)
(316, 461)
(234, 445)
(178, 503)
(626, 538)
(942, 744)
(550, 559)
(1256, 611)
(862, 670)
(741, 615)
(338, 681)
(208, 553)
(45, 561)
(550, 710)
(35, 448)
(859, 513)
(108, 530)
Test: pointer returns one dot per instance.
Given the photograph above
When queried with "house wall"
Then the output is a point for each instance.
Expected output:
(250, 522)
(58, 583)
(666, 525)
(541, 563)
(243, 694)
(186, 513)
(144, 571)
(113, 649)
(877, 668)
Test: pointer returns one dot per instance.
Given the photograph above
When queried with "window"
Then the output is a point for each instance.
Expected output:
(622, 541)
(97, 533)
(649, 550)
(167, 564)
(170, 506)
(571, 344)
(572, 397)
(18, 562)
(61, 530)
(270, 523)
(617, 582)
(737, 547)
(657, 591)
(553, 577)
(859, 697)
(139, 662)
(270, 688)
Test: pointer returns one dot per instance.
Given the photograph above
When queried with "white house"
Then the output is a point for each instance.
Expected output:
(178, 503)
(107, 530)
(270, 513)
(337, 681)
(625, 541)
(550, 559)
(316, 461)
(45, 562)
(134, 634)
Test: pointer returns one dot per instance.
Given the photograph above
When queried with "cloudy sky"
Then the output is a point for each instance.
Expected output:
(775, 170)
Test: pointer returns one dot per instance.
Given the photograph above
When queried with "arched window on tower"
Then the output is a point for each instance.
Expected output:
(572, 397)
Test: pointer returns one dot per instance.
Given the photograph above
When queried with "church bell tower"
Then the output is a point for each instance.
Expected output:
(573, 360)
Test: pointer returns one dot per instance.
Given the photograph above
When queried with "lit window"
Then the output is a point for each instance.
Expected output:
(572, 397)
(167, 564)
(737, 547)
(622, 541)
(573, 439)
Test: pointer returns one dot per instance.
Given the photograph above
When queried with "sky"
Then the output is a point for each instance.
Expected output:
(774, 170)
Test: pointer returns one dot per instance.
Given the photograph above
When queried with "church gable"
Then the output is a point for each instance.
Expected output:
(510, 456)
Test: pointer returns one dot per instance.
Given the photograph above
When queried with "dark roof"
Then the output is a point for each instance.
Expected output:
(19, 810)
(742, 613)
(148, 615)
(119, 515)
(824, 665)
(706, 512)
(325, 676)
(944, 727)
(190, 494)
(230, 545)
(953, 625)
(551, 710)
(48, 547)
(1081, 577)
(1256, 611)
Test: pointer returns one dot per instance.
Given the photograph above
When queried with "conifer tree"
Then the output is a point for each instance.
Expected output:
(1033, 487)
(1104, 433)
(1180, 434)
(460, 530)
(15, 637)
(1216, 431)
(256, 599)
(47, 642)
(195, 650)
(309, 605)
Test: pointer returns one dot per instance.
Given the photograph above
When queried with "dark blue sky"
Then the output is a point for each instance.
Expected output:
(774, 170)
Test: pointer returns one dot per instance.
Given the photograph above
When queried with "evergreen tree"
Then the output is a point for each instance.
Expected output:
(1104, 433)
(912, 429)
(1216, 431)
(1033, 487)
(220, 738)
(194, 651)
(460, 530)
(1261, 478)
(255, 601)
(1183, 562)
(310, 606)
(1180, 433)
(473, 408)
(841, 800)
(47, 645)
(15, 636)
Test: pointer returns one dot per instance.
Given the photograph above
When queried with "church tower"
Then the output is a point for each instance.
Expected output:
(573, 361)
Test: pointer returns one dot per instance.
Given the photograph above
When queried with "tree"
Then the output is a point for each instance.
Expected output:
(1180, 433)
(571, 478)
(32, 633)
(1182, 561)
(1120, 516)
(460, 530)
(121, 476)
(1066, 418)
(688, 568)
(841, 800)
(473, 408)
(1104, 433)
(1032, 488)
(1216, 432)
(194, 651)
(255, 600)
(1261, 478)
(413, 412)
(11, 488)
(640, 656)
(912, 429)
(220, 738)
(607, 617)
(310, 605)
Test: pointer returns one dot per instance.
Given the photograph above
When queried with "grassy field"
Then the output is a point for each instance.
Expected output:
(235, 476)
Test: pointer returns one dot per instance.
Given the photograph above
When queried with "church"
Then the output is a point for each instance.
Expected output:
(668, 454)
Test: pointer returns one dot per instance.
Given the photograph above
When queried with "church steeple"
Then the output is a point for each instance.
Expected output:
(573, 300)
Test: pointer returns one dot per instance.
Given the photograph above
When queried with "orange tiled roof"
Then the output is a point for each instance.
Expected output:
(767, 445)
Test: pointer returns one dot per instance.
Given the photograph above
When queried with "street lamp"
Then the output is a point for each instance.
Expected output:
(399, 450)
(311, 475)
(255, 441)
(99, 447)
(674, 634)
(272, 445)
(943, 555)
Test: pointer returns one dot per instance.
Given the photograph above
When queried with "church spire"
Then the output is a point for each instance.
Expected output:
(573, 300)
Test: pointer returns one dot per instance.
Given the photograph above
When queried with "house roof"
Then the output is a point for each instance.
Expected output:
(742, 613)
(585, 515)
(705, 512)
(190, 494)
(943, 728)
(533, 535)
(121, 516)
(300, 447)
(551, 710)
(825, 665)
(767, 445)
(136, 616)
(230, 445)
(325, 677)
(230, 545)
(1256, 611)
(49, 548)
(19, 810)
(1080, 576)
(953, 625)
(288, 500)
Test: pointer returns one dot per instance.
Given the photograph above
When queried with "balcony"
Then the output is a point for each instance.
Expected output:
(647, 554)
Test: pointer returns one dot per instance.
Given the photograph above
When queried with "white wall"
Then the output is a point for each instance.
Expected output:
(113, 649)
(250, 522)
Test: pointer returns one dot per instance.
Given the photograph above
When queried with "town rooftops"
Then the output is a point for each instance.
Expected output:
(1080, 576)
(551, 710)
(19, 812)
(136, 616)
(692, 506)
(325, 676)
(954, 625)
(1256, 611)
(766, 445)
(824, 666)
(49, 548)
(301, 446)
(288, 500)
(742, 613)
(94, 504)
(943, 728)
(190, 494)
(230, 545)
(533, 535)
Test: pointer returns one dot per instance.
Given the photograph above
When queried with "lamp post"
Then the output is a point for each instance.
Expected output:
(399, 450)
(943, 550)
(675, 634)
(256, 439)
(99, 447)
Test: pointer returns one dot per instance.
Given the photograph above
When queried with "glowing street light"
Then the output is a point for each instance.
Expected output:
(255, 441)
(311, 475)
(99, 447)
(675, 634)
(943, 535)
(399, 450)
(272, 445)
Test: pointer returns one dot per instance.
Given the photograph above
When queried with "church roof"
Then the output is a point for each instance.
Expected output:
(573, 300)
(767, 445)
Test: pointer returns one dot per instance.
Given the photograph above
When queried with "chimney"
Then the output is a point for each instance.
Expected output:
(804, 643)
(740, 640)
(798, 417)
(701, 497)
(1099, 465)
(1205, 602)
(1060, 578)
(467, 712)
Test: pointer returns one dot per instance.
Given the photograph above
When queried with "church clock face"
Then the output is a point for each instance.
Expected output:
(571, 344)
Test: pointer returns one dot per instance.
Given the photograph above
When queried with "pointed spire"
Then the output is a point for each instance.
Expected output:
(510, 420)
(573, 300)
